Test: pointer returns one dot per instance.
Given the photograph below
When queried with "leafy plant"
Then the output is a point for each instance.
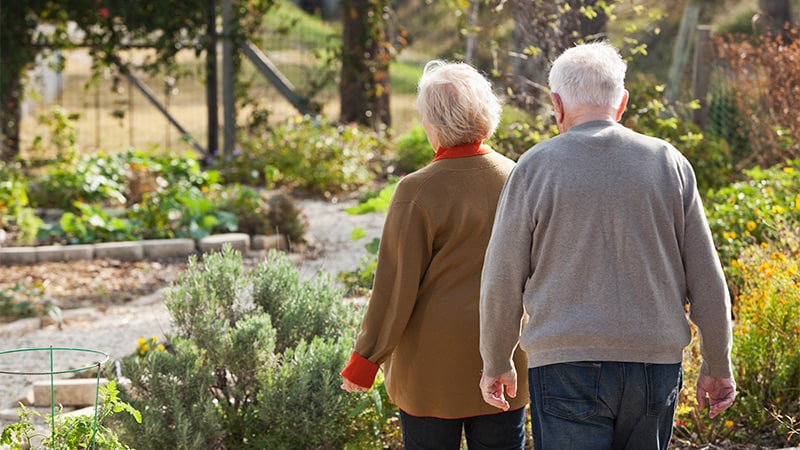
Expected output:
(285, 218)
(518, 131)
(91, 224)
(72, 431)
(309, 154)
(26, 301)
(359, 280)
(649, 114)
(16, 214)
(765, 356)
(253, 362)
(412, 151)
(749, 211)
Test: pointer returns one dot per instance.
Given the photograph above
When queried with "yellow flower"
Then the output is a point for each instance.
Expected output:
(751, 226)
(778, 399)
(160, 347)
(788, 169)
(145, 348)
(729, 235)
(777, 209)
(729, 423)
(796, 203)
(141, 342)
(764, 245)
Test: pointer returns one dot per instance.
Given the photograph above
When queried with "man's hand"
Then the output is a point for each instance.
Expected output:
(720, 391)
(492, 389)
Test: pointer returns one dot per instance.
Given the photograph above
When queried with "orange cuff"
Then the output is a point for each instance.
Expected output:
(360, 371)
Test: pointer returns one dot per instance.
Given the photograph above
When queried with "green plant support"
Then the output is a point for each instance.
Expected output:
(52, 372)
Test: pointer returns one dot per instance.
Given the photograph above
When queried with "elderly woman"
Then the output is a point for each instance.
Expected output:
(422, 321)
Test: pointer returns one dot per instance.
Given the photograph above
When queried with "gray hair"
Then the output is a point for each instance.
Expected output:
(457, 102)
(589, 74)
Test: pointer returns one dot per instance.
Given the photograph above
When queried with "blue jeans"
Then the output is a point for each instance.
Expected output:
(502, 431)
(603, 405)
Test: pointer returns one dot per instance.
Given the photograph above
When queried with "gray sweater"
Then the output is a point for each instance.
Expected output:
(600, 246)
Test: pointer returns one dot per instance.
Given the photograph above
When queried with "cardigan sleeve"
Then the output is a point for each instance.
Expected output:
(403, 257)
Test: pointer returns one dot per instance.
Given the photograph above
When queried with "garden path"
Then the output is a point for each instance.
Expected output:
(115, 329)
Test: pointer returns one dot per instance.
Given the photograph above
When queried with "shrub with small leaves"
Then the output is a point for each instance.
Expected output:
(253, 362)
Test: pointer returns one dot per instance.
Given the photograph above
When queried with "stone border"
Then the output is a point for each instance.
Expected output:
(139, 250)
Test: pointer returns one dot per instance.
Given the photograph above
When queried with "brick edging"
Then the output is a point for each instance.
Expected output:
(139, 250)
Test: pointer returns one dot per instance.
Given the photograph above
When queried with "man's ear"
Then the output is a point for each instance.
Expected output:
(558, 106)
(622, 104)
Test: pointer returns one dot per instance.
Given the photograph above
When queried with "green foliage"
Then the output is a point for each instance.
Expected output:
(73, 431)
(250, 207)
(412, 151)
(648, 114)
(359, 281)
(27, 301)
(750, 211)
(285, 218)
(518, 131)
(165, 197)
(253, 362)
(765, 357)
(766, 337)
(15, 211)
(308, 154)
(91, 224)
(94, 178)
(308, 380)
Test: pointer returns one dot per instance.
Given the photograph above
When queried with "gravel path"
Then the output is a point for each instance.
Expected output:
(116, 330)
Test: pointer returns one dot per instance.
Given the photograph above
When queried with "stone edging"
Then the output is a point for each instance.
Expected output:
(139, 250)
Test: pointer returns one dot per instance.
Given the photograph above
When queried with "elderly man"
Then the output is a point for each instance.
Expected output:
(599, 249)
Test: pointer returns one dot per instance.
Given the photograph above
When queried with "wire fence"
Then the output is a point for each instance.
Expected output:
(111, 115)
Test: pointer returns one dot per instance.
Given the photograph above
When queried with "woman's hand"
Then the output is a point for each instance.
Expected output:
(349, 386)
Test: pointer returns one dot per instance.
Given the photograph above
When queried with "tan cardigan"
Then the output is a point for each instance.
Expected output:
(422, 321)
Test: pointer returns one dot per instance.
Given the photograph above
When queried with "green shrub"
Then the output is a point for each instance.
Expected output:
(747, 212)
(91, 224)
(766, 355)
(253, 362)
(518, 131)
(412, 151)
(766, 361)
(94, 178)
(285, 218)
(16, 215)
(648, 114)
(308, 154)
(302, 404)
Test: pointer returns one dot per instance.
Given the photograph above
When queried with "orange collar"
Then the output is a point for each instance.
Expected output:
(461, 151)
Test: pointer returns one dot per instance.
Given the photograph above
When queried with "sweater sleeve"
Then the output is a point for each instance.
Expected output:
(506, 269)
(707, 291)
(403, 257)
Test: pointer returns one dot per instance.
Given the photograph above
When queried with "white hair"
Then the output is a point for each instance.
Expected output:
(589, 74)
(457, 102)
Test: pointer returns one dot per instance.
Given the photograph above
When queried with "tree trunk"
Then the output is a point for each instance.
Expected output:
(17, 54)
(775, 17)
(365, 86)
